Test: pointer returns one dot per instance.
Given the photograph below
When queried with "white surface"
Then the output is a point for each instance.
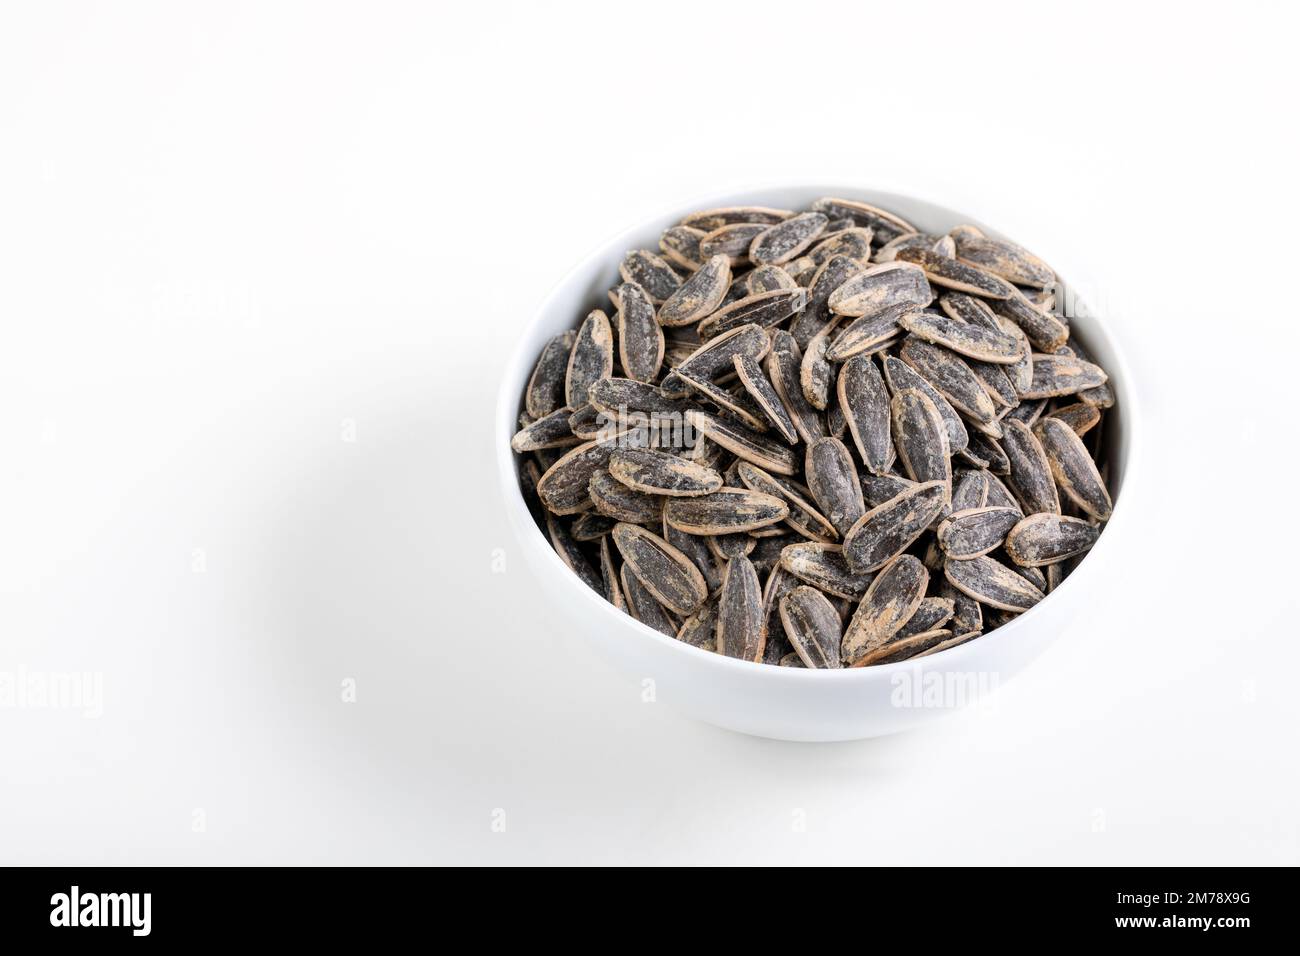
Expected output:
(227, 232)
(798, 704)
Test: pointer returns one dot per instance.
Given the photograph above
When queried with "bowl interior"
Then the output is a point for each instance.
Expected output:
(586, 287)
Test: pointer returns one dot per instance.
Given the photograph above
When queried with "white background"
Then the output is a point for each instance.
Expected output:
(235, 236)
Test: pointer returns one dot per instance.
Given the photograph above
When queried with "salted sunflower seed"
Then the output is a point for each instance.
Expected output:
(591, 359)
(549, 431)
(864, 402)
(563, 486)
(877, 489)
(854, 243)
(951, 377)
(659, 473)
(737, 402)
(651, 273)
(767, 279)
(932, 613)
(886, 225)
(782, 366)
(546, 392)
(992, 583)
(732, 240)
(1004, 259)
(699, 295)
(764, 396)
(680, 245)
(726, 511)
(962, 337)
(892, 599)
(1081, 417)
(642, 606)
(889, 528)
(881, 288)
(921, 438)
(988, 453)
(710, 219)
(1058, 375)
(956, 640)
(817, 316)
(1073, 469)
(612, 589)
(666, 573)
(717, 354)
(616, 500)
(899, 375)
(786, 239)
(815, 373)
(906, 648)
(701, 628)
(833, 481)
(633, 401)
(823, 566)
(867, 335)
(744, 443)
(724, 547)
(812, 626)
(912, 240)
(640, 337)
(591, 526)
(970, 490)
(953, 274)
(973, 532)
(1030, 474)
(571, 554)
(764, 309)
(740, 612)
(1046, 331)
(804, 517)
(696, 548)
(1045, 539)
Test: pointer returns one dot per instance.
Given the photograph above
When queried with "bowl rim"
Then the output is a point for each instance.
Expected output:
(519, 364)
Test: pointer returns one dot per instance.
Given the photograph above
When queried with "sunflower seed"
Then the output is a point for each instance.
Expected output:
(681, 246)
(864, 402)
(791, 660)
(833, 481)
(991, 583)
(1004, 259)
(966, 614)
(951, 377)
(764, 309)
(591, 359)
(969, 340)
(1046, 331)
(1026, 413)
(921, 438)
(591, 526)
(616, 500)
(944, 246)
(886, 225)
(780, 582)
(640, 337)
(988, 453)
(696, 548)
(783, 241)
(815, 373)
(976, 531)
(877, 489)
(888, 529)
(546, 390)
(892, 599)
(732, 240)
(699, 295)
(744, 443)
(655, 276)
(899, 375)
(627, 400)
(996, 384)
(812, 626)
(764, 396)
(740, 612)
(952, 274)
(641, 604)
(881, 288)
(867, 335)
(1072, 468)
(782, 367)
(717, 354)
(611, 588)
(710, 219)
(1044, 539)
(667, 574)
(1080, 417)
(803, 517)
(549, 431)
(914, 240)
(658, 473)
(970, 490)
(823, 566)
(563, 487)
(1031, 475)
(726, 511)
(701, 628)
(571, 554)
(739, 404)
(1057, 375)
(905, 648)
(932, 613)
(817, 316)
(955, 640)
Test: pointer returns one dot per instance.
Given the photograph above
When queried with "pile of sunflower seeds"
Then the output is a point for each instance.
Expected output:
(820, 439)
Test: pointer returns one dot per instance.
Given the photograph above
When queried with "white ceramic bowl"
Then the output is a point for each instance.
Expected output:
(790, 703)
